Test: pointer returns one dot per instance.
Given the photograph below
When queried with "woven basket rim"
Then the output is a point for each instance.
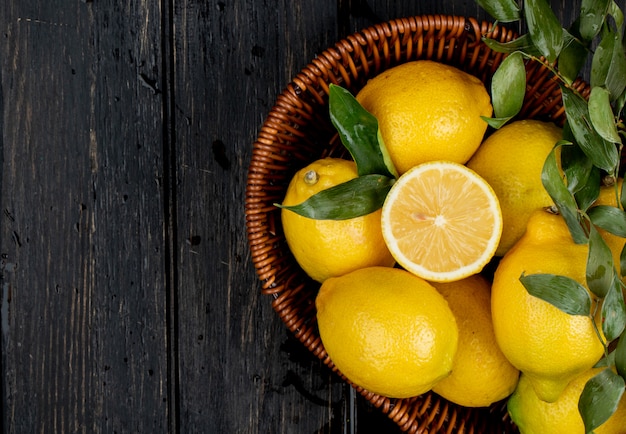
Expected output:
(295, 131)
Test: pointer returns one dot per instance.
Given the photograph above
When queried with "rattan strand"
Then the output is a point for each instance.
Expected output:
(297, 131)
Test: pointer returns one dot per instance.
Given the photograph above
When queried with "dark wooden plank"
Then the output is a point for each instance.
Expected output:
(84, 344)
(362, 13)
(240, 371)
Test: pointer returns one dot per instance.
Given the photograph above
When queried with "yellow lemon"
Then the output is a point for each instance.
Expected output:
(387, 331)
(441, 221)
(534, 416)
(549, 346)
(481, 375)
(326, 248)
(608, 193)
(511, 160)
(427, 111)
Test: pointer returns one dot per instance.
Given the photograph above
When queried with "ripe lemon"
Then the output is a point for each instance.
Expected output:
(511, 160)
(326, 248)
(549, 346)
(441, 221)
(481, 375)
(534, 416)
(427, 111)
(387, 330)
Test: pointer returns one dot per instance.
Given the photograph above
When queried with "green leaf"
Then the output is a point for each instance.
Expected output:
(620, 356)
(588, 194)
(606, 361)
(600, 398)
(572, 58)
(613, 311)
(600, 265)
(508, 86)
(608, 65)
(562, 197)
(603, 154)
(616, 76)
(592, 14)
(577, 168)
(617, 14)
(359, 133)
(620, 102)
(601, 60)
(609, 218)
(544, 27)
(601, 114)
(622, 261)
(354, 198)
(505, 11)
(496, 123)
(523, 44)
(561, 291)
(622, 195)
(574, 163)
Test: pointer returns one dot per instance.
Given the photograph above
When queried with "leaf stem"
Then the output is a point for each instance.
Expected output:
(592, 317)
(553, 69)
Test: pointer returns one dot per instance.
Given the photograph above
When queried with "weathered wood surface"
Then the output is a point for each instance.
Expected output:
(128, 300)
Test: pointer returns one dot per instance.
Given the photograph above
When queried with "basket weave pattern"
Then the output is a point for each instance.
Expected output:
(298, 131)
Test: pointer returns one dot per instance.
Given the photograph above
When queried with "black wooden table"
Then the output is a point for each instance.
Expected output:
(128, 300)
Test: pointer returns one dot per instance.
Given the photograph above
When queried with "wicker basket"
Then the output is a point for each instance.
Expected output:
(298, 131)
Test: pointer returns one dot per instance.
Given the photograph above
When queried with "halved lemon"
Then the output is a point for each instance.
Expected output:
(442, 221)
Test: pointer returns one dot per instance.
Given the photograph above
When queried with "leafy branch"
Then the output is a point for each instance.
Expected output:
(591, 150)
(360, 135)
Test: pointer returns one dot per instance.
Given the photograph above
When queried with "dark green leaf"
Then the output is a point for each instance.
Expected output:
(508, 86)
(502, 10)
(592, 14)
(523, 44)
(544, 27)
(606, 361)
(601, 114)
(599, 264)
(582, 177)
(561, 291)
(622, 195)
(600, 398)
(620, 102)
(609, 218)
(572, 58)
(603, 154)
(588, 194)
(575, 165)
(496, 123)
(622, 261)
(616, 77)
(617, 14)
(620, 356)
(608, 65)
(568, 135)
(358, 130)
(354, 198)
(613, 311)
(601, 61)
(562, 197)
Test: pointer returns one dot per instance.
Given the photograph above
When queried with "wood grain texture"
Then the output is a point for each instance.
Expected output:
(82, 227)
(128, 300)
(239, 370)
